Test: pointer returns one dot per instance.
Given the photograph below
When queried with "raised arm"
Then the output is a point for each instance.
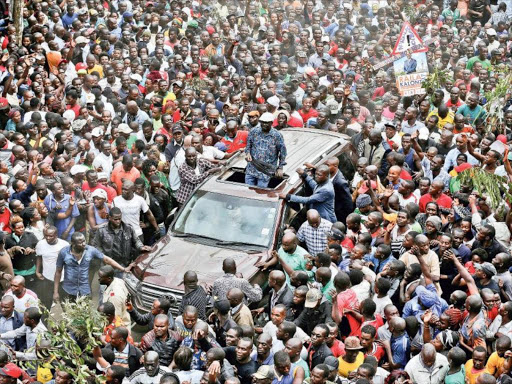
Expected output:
(464, 273)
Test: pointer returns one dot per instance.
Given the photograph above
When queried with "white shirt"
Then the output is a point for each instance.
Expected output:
(28, 300)
(211, 153)
(104, 162)
(131, 211)
(176, 162)
(49, 254)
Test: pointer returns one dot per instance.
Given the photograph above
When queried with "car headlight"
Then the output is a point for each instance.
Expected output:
(131, 280)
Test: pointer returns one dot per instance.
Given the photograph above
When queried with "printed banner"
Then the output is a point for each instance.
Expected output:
(410, 72)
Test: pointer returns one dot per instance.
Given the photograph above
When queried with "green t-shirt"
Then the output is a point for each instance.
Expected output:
(486, 64)
(456, 378)
(296, 261)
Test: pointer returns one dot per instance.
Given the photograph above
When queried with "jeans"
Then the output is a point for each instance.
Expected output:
(252, 180)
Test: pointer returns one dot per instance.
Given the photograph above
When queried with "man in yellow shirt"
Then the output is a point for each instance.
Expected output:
(476, 366)
(92, 66)
(352, 359)
(444, 114)
(495, 364)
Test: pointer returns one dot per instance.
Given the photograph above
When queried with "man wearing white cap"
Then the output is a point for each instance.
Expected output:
(265, 153)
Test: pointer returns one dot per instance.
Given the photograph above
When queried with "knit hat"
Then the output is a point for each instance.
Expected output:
(435, 221)
(363, 201)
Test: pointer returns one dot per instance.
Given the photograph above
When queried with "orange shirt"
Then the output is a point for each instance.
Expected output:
(119, 174)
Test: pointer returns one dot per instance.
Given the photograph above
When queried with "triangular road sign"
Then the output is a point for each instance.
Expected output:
(408, 40)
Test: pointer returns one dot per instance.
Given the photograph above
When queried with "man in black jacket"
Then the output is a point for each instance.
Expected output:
(13, 320)
(161, 340)
(343, 204)
(117, 240)
(127, 356)
(318, 349)
(280, 292)
(160, 306)
(317, 310)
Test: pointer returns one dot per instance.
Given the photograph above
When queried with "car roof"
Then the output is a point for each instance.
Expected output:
(302, 144)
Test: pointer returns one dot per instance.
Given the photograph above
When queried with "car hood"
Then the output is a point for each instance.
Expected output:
(172, 256)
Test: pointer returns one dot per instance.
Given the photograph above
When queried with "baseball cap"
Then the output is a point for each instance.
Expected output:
(80, 66)
(264, 372)
(81, 40)
(97, 132)
(78, 168)
(267, 117)
(332, 362)
(273, 101)
(333, 106)
(312, 298)
(4, 104)
(124, 128)
(136, 77)
(301, 54)
(487, 267)
(335, 234)
(177, 128)
(491, 32)
(254, 113)
(11, 370)
(99, 193)
(102, 176)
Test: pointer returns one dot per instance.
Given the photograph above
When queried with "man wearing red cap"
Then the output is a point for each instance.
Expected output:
(10, 373)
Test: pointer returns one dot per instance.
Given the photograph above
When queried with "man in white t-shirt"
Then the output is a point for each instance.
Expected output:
(47, 252)
(23, 298)
(131, 205)
(208, 152)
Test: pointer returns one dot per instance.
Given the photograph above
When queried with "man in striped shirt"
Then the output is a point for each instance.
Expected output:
(151, 372)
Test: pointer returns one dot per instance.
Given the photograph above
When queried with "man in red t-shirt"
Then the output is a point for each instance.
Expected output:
(436, 194)
(5, 217)
(370, 347)
(336, 345)
(307, 111)
(234, 139)
(89, 186)
(345, 299)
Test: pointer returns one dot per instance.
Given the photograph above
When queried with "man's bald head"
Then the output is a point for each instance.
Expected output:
(278, 278)
(313, 217)
(428, 354)
(397, 324)
(235, 296)
(229, 266)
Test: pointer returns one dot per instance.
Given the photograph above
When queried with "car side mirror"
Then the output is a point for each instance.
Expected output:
(170, 218)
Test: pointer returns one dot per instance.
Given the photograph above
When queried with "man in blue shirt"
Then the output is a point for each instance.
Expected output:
(69, 17)
(381, 257)
(322, 198)
(265, 153)
(410, 64)
(77, 259)
(400, 344)
(63, 210)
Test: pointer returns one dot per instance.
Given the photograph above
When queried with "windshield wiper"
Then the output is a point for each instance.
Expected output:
(242, 243)
(193, 236)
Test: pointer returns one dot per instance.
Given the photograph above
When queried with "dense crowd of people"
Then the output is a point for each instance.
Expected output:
(112, 113)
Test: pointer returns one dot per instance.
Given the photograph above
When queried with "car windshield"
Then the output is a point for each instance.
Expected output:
(228, 218)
